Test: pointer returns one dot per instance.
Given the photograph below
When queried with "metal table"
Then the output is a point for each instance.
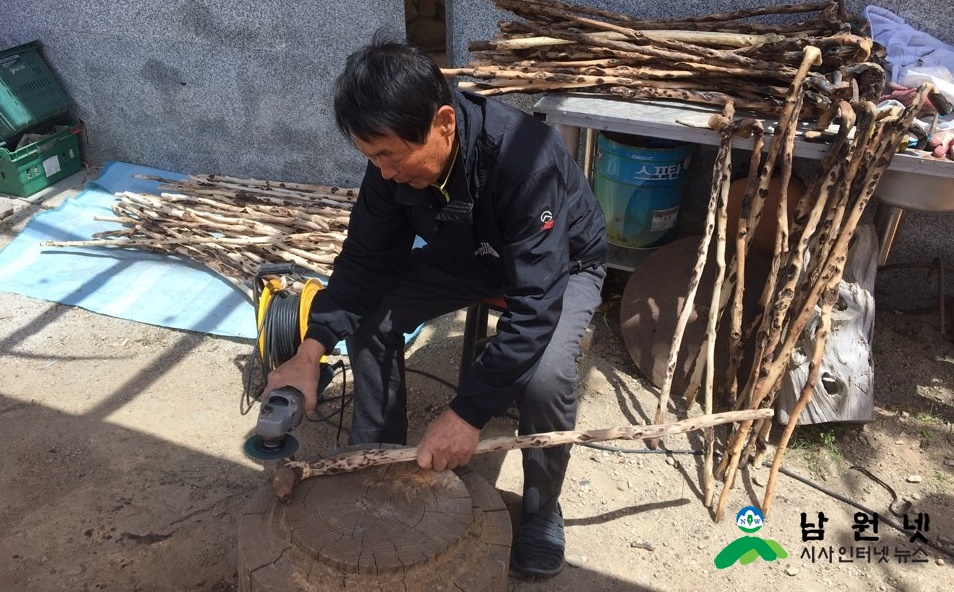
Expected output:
(571, 114)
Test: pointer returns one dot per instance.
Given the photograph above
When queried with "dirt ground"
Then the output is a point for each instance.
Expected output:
(123, 470)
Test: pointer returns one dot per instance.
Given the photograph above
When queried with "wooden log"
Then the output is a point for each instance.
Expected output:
(715, 310)
(561, 11)
(776, 319)
(290, 473)
(863, 186)
(517, 86)
(632, 36)
(214, 198)
(320, 221)
(837, 50)
(877, 147)
(737, 267)
(617, 48)
(667, 49)
(703, 97)
(688, 76)
(132, 243)
(706, 38)
(828, 301)
(786, 127)
(233, 225)
(344, 194)
(241, 196)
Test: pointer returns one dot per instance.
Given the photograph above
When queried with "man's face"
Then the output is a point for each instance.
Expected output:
(417, 165)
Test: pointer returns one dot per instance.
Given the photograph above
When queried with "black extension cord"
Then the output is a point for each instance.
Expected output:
(279, 331)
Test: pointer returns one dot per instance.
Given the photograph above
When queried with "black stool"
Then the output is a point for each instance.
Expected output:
(475, 331)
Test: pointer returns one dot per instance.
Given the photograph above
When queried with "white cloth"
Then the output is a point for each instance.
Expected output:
(906, 46)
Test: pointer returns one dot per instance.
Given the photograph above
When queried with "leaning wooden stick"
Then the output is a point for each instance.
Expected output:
(289, 473)
(715, 312)
(828, 301)
(689, 303)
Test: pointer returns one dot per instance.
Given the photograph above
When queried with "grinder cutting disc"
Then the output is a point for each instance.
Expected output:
(259, 448)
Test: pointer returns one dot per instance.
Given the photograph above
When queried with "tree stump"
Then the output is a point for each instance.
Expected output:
(393, 527)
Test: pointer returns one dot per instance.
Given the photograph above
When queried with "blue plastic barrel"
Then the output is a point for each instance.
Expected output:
(639, 183)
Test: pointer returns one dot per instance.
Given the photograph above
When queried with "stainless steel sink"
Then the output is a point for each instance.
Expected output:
(917, 189)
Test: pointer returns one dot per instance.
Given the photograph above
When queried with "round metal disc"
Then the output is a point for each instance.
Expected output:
(256, 447)
(653, 299)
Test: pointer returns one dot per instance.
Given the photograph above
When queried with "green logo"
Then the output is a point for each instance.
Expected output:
(747, 549)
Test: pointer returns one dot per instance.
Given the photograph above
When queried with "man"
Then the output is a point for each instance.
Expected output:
(505, 212)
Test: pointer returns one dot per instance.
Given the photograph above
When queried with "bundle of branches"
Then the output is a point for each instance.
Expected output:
(711, 59)
(233, 226)
(807, 264)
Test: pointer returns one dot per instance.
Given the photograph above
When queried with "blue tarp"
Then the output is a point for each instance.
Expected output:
(134, 285)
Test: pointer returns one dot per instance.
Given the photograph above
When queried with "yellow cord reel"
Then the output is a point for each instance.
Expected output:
(268, 313)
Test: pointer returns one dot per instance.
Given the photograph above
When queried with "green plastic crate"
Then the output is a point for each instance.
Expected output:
(29, 94)
(38, 165)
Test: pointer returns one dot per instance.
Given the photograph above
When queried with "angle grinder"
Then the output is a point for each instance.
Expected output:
(281, 412)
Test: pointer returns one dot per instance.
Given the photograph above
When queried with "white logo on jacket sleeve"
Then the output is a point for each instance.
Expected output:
(547, 219)
(485, 249)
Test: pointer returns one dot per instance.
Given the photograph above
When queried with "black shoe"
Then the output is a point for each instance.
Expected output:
(540, 545)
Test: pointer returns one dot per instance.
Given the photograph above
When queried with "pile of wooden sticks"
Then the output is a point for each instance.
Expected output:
(232, 225)
(818, 70)
(807, 265)
(711, 60)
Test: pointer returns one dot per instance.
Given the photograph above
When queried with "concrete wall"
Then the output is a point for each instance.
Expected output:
(241, 88)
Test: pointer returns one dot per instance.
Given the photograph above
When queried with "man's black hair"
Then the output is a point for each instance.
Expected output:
(387, 87)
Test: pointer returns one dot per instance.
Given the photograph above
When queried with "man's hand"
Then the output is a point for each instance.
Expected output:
(448, 443)
(301, 372)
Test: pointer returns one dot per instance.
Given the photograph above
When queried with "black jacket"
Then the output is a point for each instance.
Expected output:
(521, 218)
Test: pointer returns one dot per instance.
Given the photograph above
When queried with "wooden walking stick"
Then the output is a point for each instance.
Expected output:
(828, 301)
(289, 473)
(715, 310)
(689, 303)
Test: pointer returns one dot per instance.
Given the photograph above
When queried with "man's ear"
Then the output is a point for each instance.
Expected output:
(445, 121)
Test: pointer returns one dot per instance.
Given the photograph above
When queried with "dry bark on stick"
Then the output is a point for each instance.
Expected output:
(290, 473)
(715, 311)
(705, 38)
(345, 195)
(723, 21)
(233, 226)
(877, 148)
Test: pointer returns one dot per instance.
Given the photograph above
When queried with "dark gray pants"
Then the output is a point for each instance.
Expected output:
(549, 402)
